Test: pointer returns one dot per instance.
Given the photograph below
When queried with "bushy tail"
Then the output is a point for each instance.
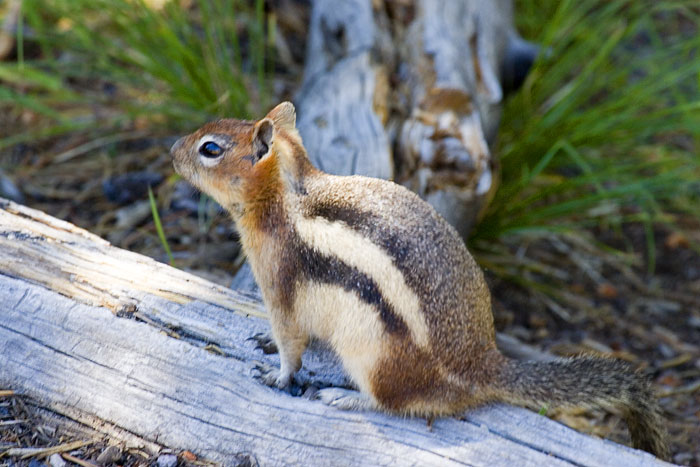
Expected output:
(588, 382)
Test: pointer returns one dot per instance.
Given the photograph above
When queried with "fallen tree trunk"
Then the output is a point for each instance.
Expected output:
(174, 368)
(454, 50)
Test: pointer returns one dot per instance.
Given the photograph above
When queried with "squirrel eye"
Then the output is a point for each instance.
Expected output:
(210, 149)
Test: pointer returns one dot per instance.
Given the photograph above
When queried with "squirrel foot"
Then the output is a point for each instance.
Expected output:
(271, 376)
(344, 399)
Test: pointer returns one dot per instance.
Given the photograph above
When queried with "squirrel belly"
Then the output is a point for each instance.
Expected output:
(367, 266)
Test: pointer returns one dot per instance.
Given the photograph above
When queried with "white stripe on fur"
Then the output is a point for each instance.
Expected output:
(337, 240)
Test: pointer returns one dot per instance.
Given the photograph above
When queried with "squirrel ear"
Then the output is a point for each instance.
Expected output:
(284, 116)
(262, 138)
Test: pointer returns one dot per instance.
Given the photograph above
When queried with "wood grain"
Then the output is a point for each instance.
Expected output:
(339, 102)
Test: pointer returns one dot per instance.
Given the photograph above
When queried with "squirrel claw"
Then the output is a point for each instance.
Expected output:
(264, 342)
(271, 376)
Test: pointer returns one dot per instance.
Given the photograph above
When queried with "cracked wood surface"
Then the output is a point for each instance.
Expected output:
(145, 370)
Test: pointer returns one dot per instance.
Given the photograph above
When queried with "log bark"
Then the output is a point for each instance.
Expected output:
(174, 368)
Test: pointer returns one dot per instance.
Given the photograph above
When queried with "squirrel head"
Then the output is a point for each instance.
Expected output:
(238, 161)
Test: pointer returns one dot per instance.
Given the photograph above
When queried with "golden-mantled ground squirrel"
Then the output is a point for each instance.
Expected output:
(367, 266)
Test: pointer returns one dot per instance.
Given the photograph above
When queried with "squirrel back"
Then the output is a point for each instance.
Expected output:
(367, 266)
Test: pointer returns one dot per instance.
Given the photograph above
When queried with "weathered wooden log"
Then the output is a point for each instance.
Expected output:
(411, 91)
(174, 368)
(342, 104)
(453, 51)
(72, 261)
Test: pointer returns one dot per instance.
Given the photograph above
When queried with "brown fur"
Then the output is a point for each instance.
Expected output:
(369, 267)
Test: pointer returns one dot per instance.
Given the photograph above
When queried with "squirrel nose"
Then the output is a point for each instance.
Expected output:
(176, 146)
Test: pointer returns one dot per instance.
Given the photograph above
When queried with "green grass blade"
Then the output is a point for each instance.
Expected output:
(159, 227)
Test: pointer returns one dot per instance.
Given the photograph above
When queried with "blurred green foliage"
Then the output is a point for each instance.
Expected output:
(104, 63)
(605, 130)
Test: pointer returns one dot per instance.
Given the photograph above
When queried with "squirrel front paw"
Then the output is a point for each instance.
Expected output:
(271, 376)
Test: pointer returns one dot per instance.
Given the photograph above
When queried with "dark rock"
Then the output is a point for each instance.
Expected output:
(244, 459)
(130, 187)
(185, 197)
(9, 190)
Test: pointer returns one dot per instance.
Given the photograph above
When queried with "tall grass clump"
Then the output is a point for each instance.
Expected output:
(103, 64)
(603, 133)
